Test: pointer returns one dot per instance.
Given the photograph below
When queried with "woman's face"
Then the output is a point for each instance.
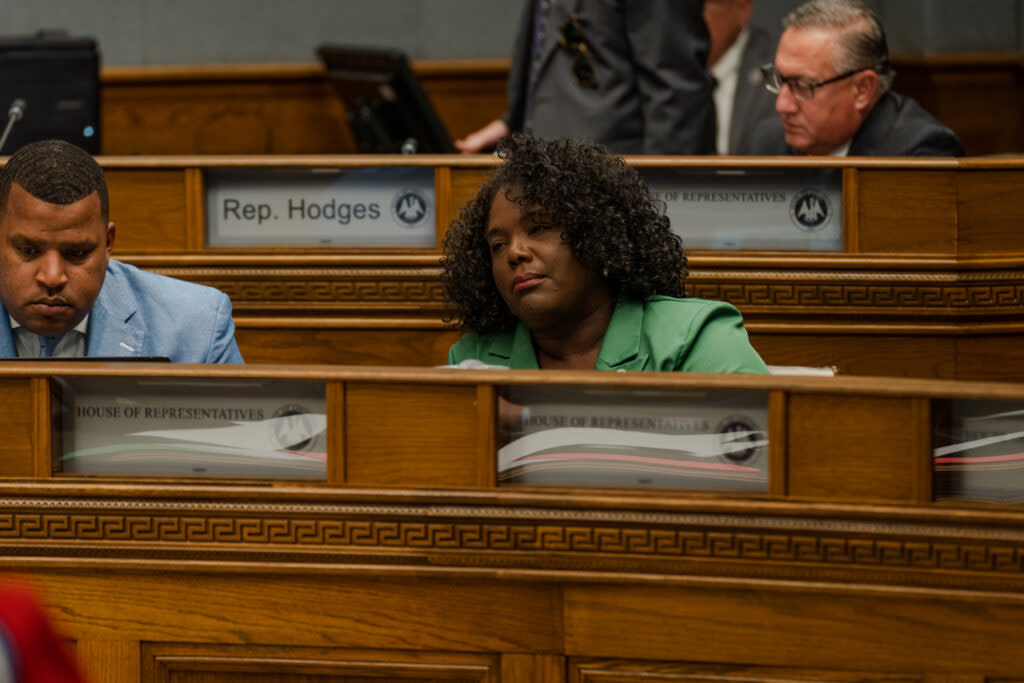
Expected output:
(536, 271)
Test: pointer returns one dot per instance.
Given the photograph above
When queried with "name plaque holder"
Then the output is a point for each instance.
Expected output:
(978, 450)
(797, 209)
(618, 437)
(366, 206)
(190, 427)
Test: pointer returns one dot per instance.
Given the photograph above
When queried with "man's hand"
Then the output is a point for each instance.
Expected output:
(483, 140)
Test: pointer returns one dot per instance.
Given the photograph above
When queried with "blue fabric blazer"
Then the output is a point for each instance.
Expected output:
(138, 313)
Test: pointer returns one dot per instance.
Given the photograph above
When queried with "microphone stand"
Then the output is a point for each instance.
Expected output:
(14, 115)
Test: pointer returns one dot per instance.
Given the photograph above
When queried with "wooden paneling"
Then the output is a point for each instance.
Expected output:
(265, 342)
(808, 628)
(989, 221)
(21, 425)
(534, 668)
(465, 183)
(112, 661)
(876, 353)
(619, 671)
(270, 108)
(45, 407)
(991, 357)
(917, 208)
(387, 421)
(978, 95)
(206, 663)
(149, 210)
(856, 447)
(307, 611)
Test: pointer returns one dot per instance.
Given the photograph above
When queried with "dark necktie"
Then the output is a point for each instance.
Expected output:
(46, 346)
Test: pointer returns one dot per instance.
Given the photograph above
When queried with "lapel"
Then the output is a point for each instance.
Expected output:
(558, 14)
(748, 87)
(114, 327)
(7, 348)
(620, 349)
(514, 349)
(870, 138)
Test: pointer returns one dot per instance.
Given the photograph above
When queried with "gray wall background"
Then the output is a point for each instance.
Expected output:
(144, 32)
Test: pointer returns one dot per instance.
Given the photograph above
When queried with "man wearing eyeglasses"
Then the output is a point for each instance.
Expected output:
(832, 82)
(629, 74)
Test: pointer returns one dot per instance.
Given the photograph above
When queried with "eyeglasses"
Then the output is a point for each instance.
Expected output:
(572, 39)
(801, 88)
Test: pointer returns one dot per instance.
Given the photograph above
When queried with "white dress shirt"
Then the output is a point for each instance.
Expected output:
(70, 345)
(726, 72)
(843, 150)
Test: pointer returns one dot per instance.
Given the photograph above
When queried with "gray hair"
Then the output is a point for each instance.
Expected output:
(862, 40)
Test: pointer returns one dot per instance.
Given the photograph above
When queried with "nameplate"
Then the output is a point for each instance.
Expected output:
(192, 427)
(366, 207)
(790, 208)
(612, 437)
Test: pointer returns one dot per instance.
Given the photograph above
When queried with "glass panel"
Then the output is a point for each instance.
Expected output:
(385, 206)
(757, 208)
(576, 436)
(978, 450)
(191, 427)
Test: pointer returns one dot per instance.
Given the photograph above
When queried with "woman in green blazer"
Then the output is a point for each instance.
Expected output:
(564, 260)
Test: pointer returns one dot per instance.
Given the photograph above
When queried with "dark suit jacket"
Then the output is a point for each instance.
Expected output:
(896, 127)
(653, 94)
(751, 103)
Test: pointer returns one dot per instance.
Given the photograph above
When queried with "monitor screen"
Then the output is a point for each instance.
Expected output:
(386, 108)
(57, 77)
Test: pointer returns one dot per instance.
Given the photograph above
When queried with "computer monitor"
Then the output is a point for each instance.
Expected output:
(386, 108)
(58, 78)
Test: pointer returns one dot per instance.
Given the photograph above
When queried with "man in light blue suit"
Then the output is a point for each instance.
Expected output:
(62, 294)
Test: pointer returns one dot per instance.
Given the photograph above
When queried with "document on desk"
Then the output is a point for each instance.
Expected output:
(616, 457)
(979, 451)
(620, 437)
(194, 428)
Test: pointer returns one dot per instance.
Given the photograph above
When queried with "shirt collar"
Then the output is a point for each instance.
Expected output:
(729, 63)
(522, 354)
(843, 150)
(621, 341)
(80, 327)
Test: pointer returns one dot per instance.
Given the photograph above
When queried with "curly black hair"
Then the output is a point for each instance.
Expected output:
(613, 223)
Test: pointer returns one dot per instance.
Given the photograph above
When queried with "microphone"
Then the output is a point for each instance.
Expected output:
(17, 109)
(15, 113)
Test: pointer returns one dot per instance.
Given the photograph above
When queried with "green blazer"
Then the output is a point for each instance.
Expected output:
(660, 333)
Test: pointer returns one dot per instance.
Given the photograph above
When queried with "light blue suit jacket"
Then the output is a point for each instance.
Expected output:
(143, 314)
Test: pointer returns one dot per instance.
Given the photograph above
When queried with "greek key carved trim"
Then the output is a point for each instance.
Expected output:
(585, 534)
(922, 297)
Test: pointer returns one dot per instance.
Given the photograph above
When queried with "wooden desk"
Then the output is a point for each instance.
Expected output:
(292, 109)
(271, 108)
(843, 571)
(928, 283)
